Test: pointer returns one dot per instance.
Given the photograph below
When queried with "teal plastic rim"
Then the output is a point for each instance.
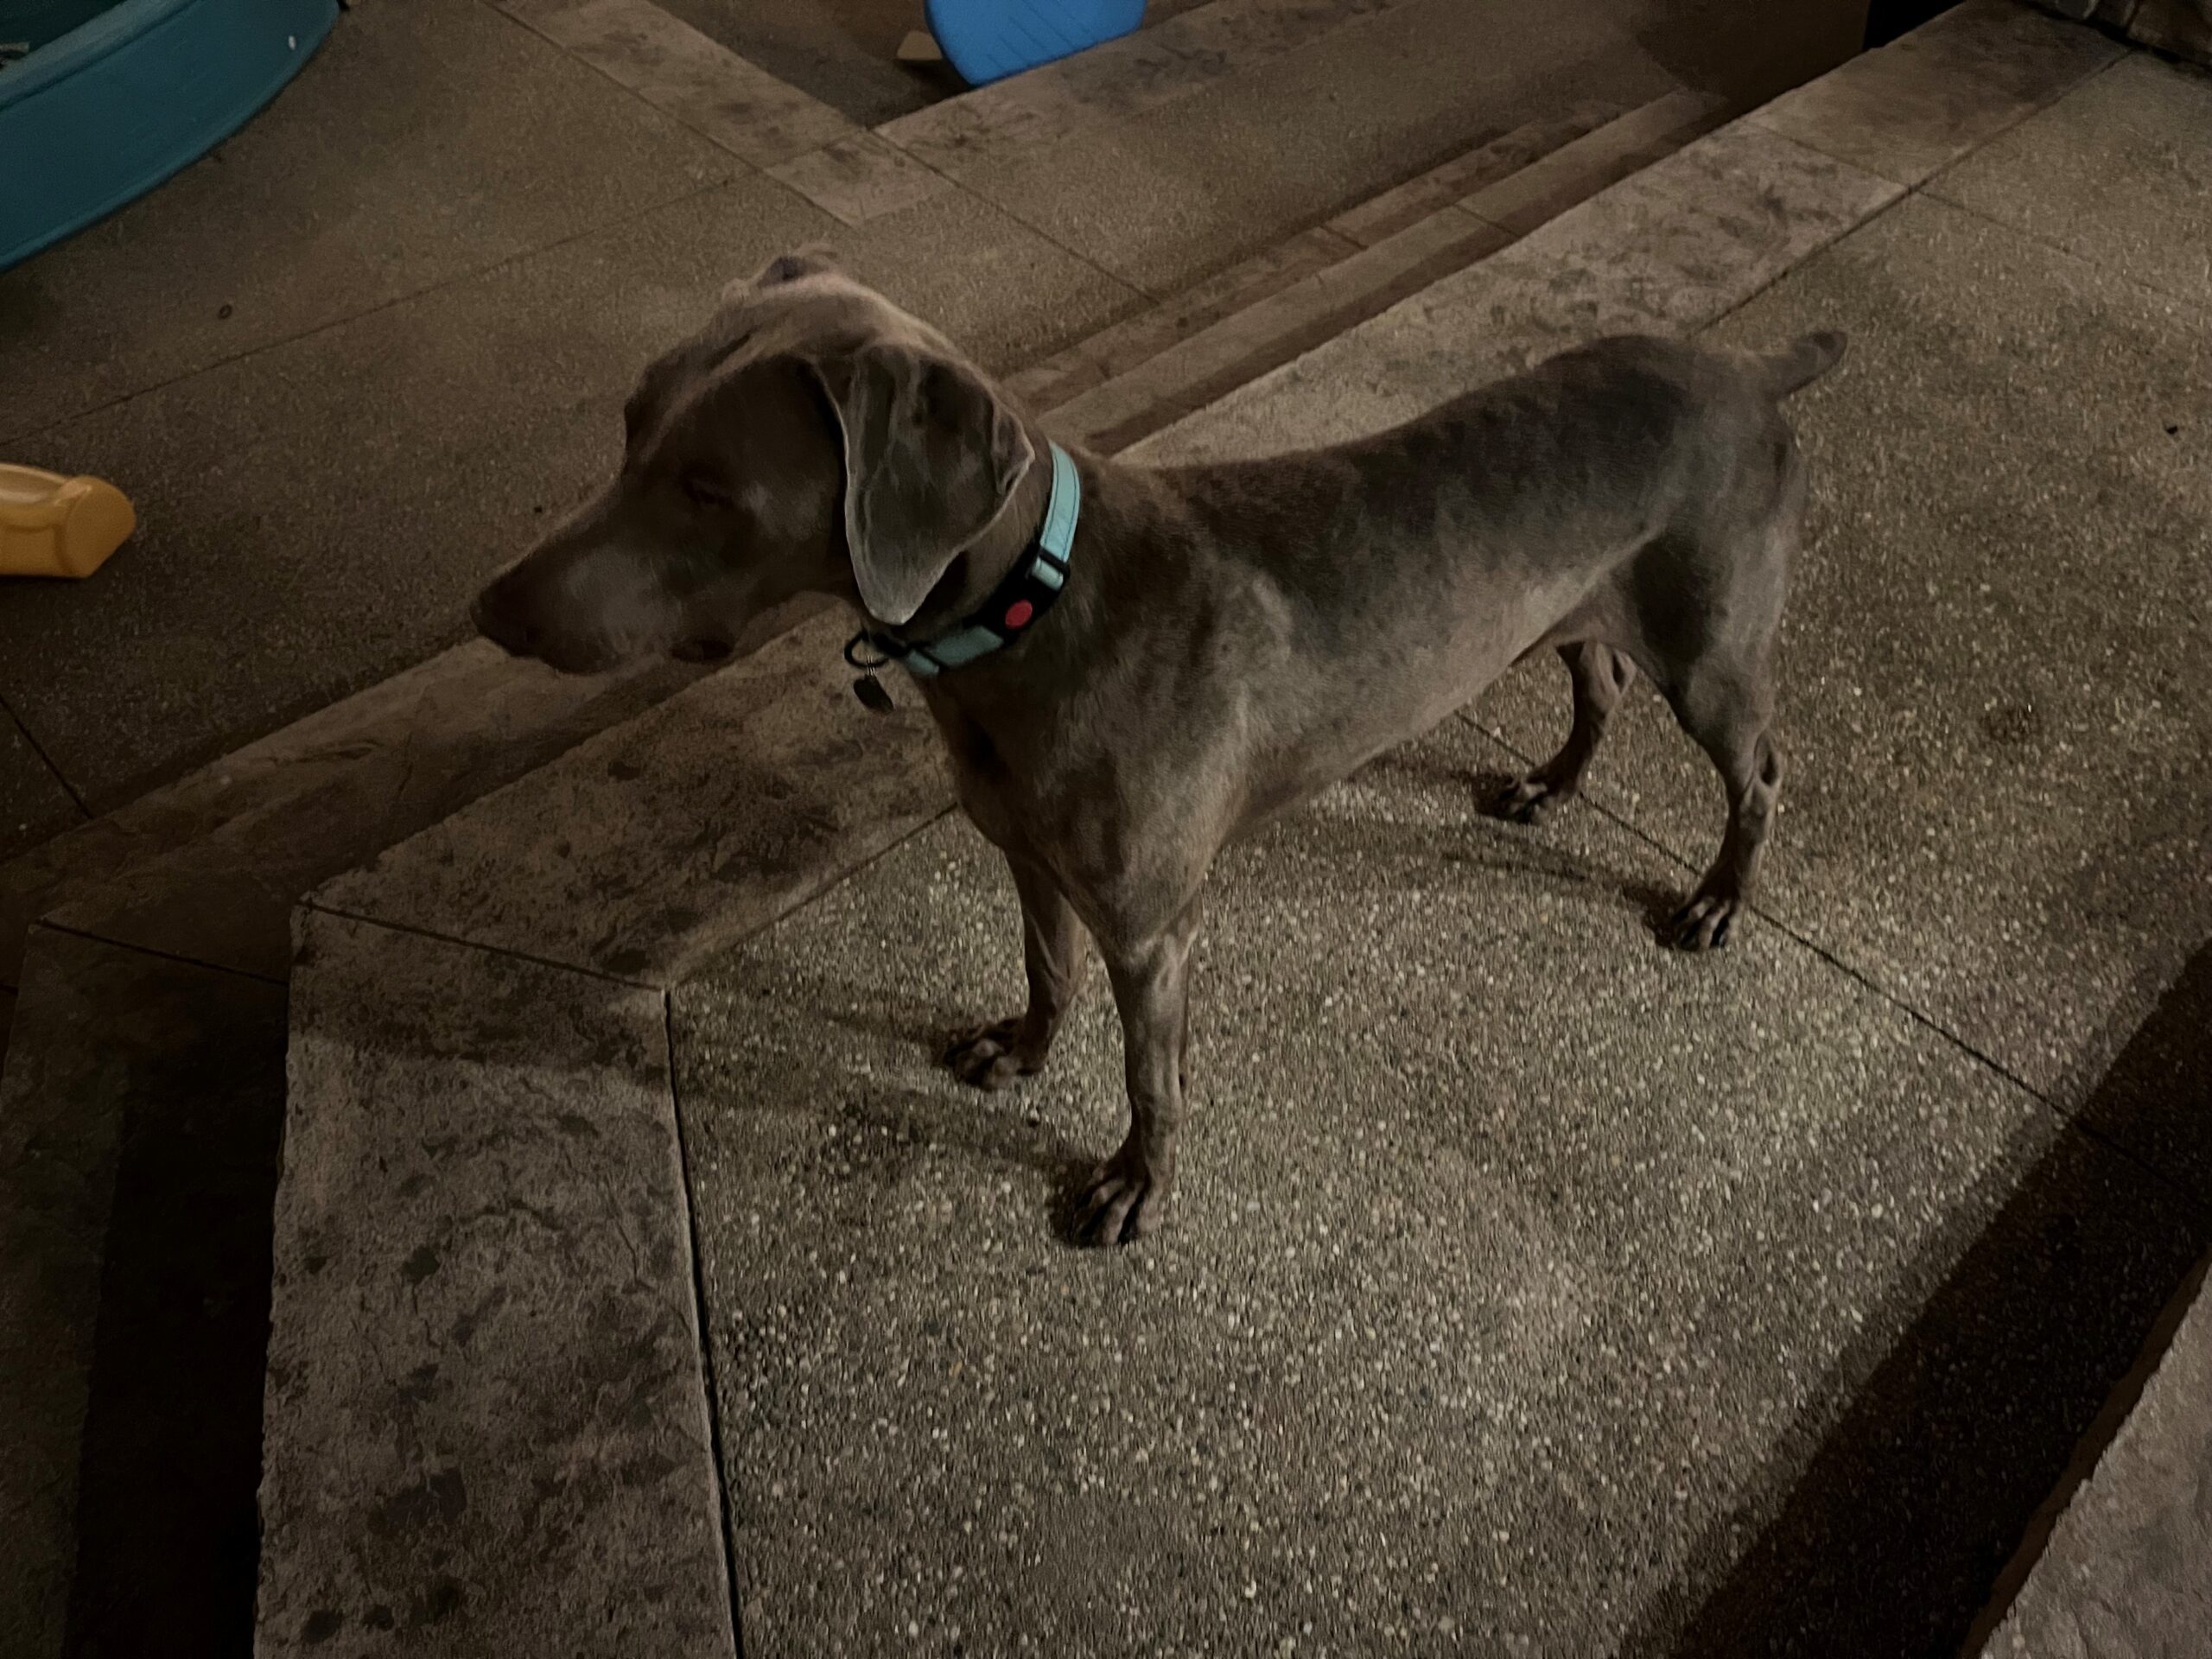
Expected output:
(101, 115)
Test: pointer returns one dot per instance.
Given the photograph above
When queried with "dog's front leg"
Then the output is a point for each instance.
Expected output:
(1128, 1196)
(993, 1056)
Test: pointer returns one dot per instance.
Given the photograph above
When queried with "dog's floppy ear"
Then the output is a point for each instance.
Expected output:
(932, 458)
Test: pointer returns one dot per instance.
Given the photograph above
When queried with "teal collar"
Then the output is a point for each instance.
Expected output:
(1016, 606)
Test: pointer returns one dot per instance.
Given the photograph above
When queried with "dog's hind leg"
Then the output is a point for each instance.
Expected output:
(1601, 676)
(1728, 714)
(1713, 663)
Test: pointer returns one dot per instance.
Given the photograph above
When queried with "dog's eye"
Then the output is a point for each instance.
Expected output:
(703, 491)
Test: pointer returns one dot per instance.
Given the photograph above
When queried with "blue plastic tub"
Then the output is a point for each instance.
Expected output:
(100, 100)
(988, 40)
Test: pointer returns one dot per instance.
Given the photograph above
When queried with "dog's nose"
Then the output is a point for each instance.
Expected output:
(498, 623)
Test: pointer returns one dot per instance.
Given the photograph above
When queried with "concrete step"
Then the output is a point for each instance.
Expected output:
(464, 875)
(1151, 333)
(1130, 381)
(649, 851)
(206, 869)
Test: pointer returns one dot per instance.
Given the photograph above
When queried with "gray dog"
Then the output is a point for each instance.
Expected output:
(1131, 666)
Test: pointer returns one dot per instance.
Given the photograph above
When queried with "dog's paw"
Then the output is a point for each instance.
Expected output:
(1529, 800)
(986, 1058)
(1702, 924)
(1125, 1201)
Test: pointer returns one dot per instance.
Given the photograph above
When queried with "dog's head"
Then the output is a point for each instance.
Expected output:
(813, 438)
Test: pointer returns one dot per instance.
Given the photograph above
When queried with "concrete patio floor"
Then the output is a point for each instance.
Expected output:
(1532, 1289)
(1523, 1272)
(1530, 1282)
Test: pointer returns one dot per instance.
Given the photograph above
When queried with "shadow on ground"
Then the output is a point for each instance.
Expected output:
(168, 1534)
(1913, 1502)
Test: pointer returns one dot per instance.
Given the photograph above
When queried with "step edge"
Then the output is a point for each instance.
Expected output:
(1598, 158)
(1046, 386)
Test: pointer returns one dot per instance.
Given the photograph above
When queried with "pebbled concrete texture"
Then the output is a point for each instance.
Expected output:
(1942, 633)
(2119, 173)
(139, 1163)
(514, 1470)
(487, 143)
(404, 262)
(844, 52)
(2128, 1570)
(1523, 1280)
(1120, 81)
(1747, 1273)
(697, 80)
(345, 377)
(860, 177)
(1271, 330)
(1545, 188)
(991, 282)
(1324, 256)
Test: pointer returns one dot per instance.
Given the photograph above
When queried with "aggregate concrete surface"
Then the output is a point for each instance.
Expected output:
(469, 1480)
(1518, 1262)
(1531, 1288)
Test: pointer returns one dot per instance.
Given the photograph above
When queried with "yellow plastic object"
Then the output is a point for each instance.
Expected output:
(55, 526)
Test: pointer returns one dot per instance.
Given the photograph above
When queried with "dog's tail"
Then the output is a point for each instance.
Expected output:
(1789, 373)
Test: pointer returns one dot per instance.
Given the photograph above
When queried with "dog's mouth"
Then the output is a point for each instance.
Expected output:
(706, 649)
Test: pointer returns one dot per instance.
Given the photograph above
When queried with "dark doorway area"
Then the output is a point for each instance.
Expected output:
(1887, 19)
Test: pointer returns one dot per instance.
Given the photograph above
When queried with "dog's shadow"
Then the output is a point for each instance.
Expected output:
(916, 1098)
(1377, 854)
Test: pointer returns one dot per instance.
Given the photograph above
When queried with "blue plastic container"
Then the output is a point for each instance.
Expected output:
(100, 102)
(988, 40)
